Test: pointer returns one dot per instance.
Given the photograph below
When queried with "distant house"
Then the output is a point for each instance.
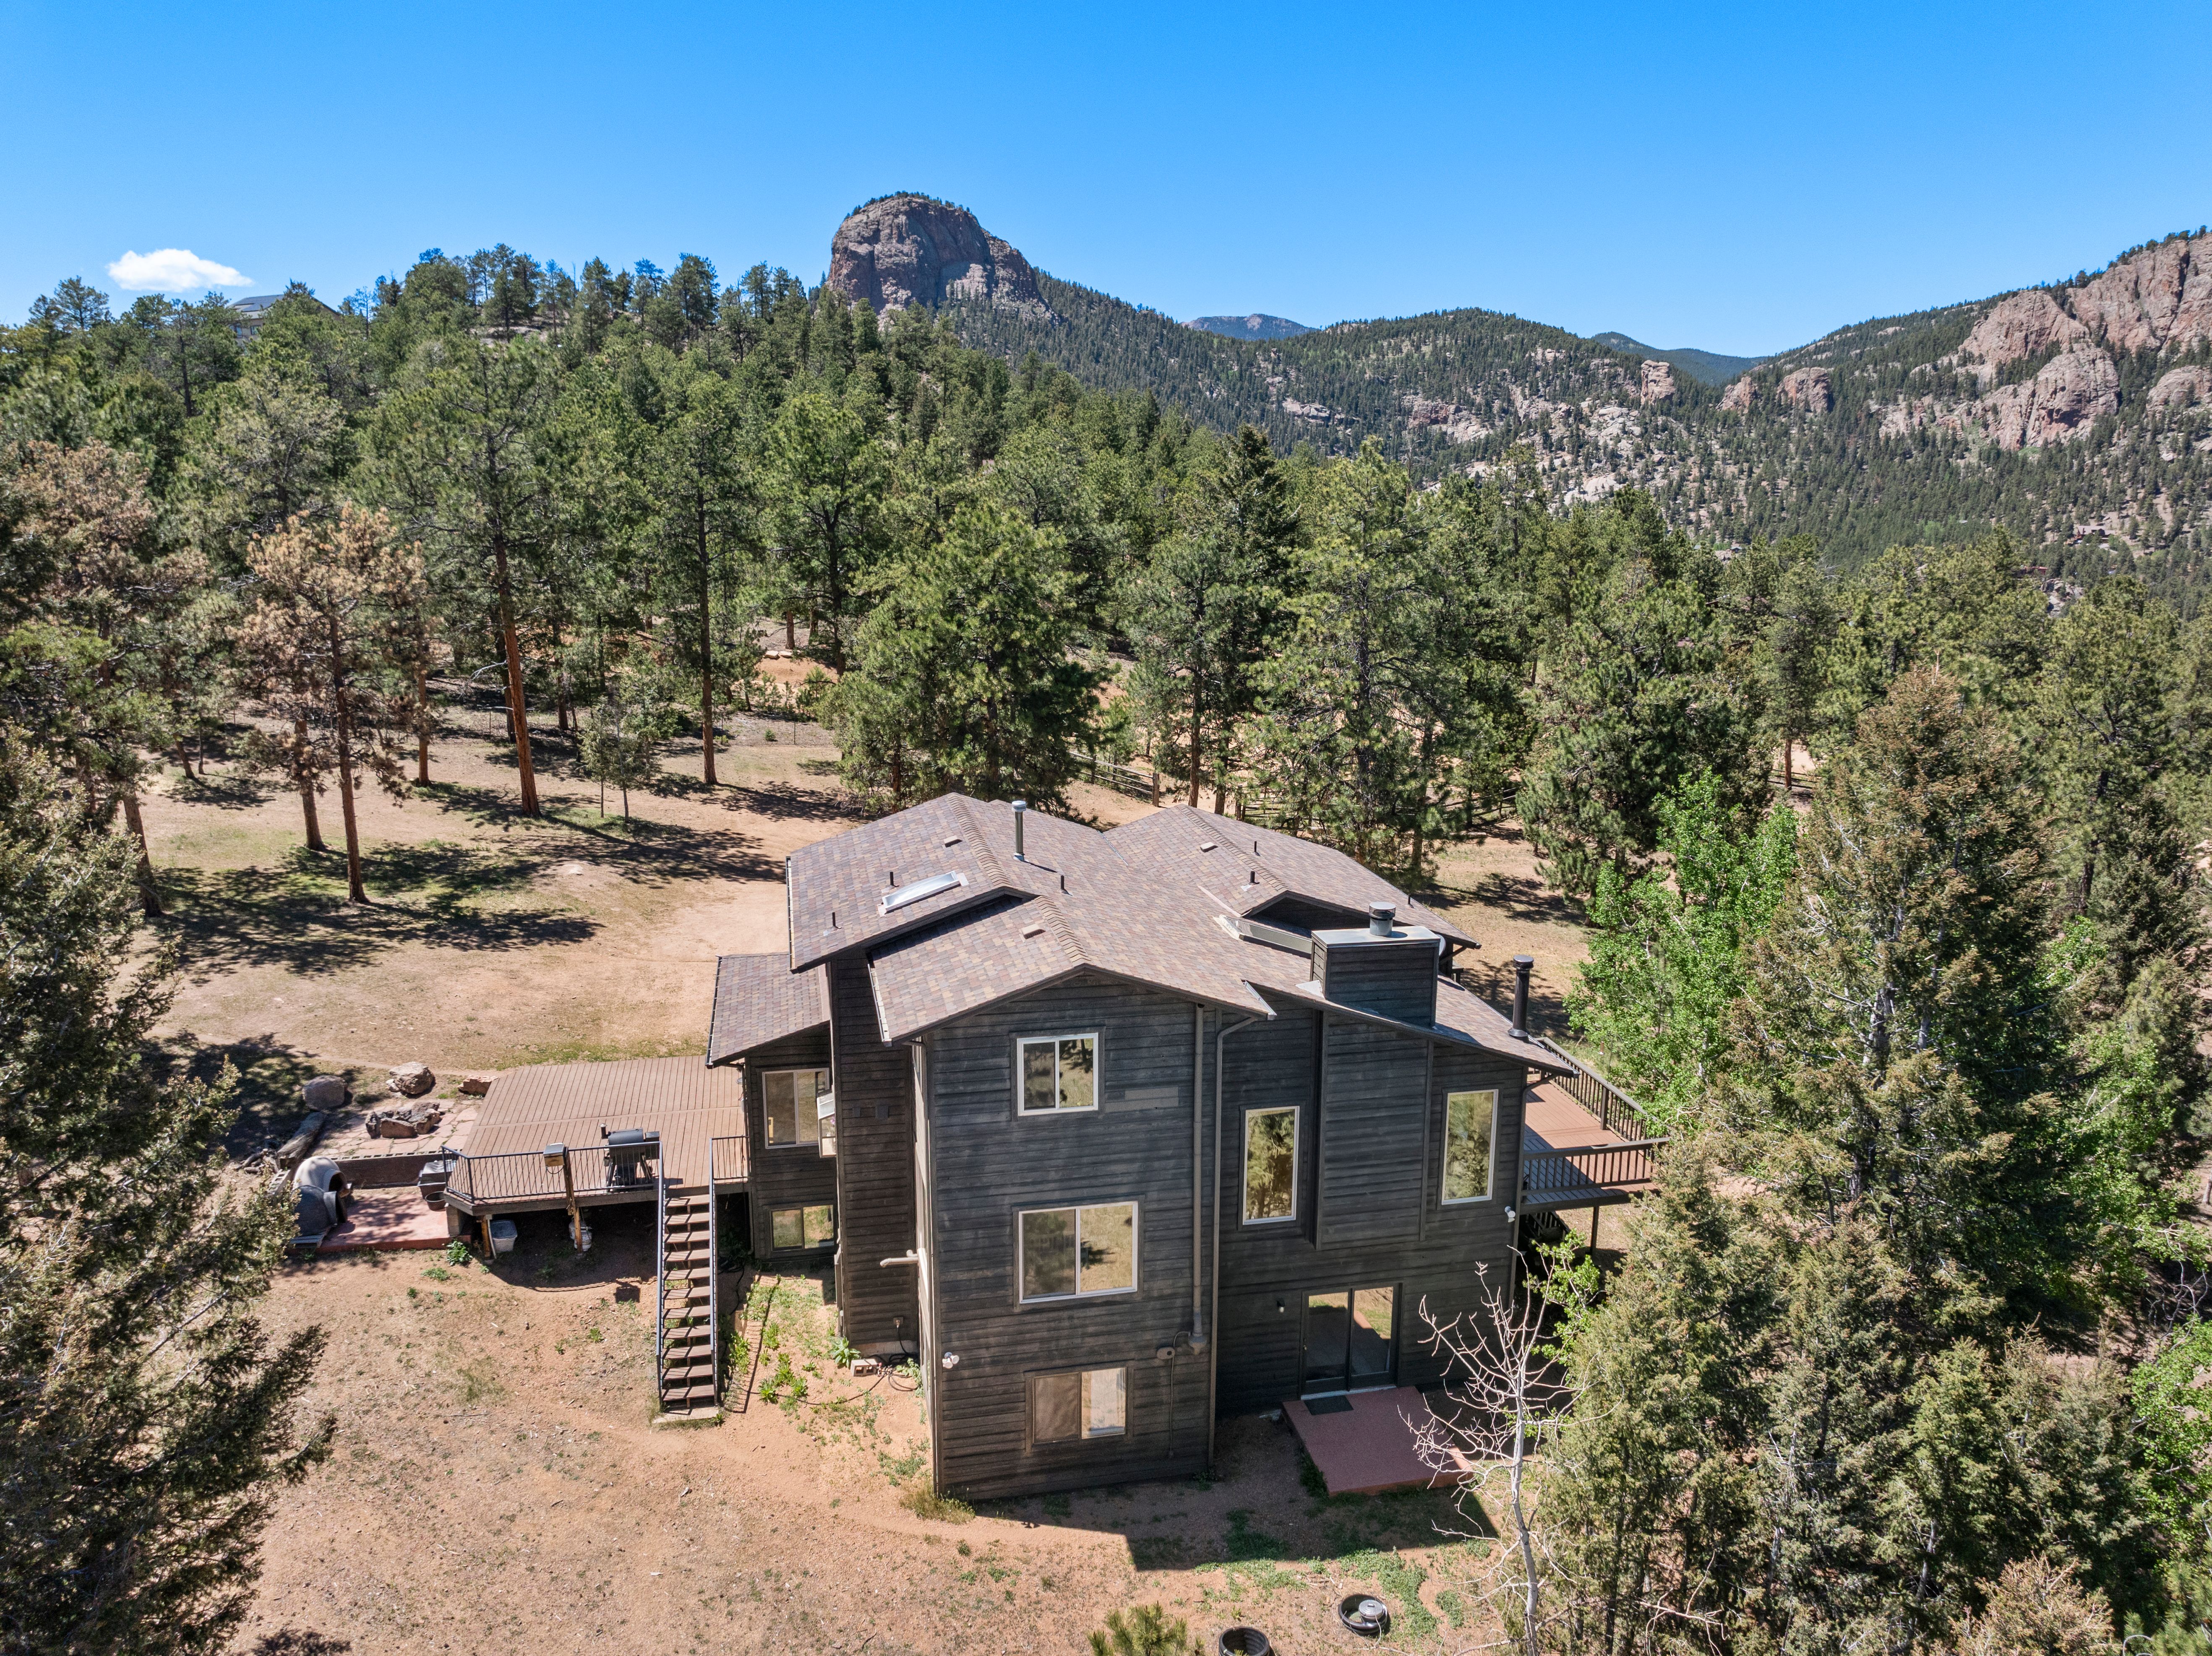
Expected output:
(1116, 1133)
(253, 311)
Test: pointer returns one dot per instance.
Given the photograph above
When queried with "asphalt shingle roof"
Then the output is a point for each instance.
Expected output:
(758, 998)
(1245, 869)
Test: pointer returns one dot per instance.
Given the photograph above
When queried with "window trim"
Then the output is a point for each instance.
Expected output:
(1031, 1440)
(1021, 1043)
(766, 1121)
(800, 1207)
(1136, 1252)
(1444, 1198)
(1244, 1189)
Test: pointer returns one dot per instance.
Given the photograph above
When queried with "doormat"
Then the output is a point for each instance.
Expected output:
(1337, 1404)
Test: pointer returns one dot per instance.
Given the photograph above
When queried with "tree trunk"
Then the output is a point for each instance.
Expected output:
(149, 893)
(790, 633)
(308, 793)
(518, 709)
(705, 657)
(1788, 753)
(422, 723)
(1197, 702)
(355, 892)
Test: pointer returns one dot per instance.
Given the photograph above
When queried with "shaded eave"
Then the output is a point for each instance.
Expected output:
(1256, 1006)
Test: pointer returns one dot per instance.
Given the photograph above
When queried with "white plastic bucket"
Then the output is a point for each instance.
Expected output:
(503, 1236)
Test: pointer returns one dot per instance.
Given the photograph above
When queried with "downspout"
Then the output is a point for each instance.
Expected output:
(1198, 1339)
(1213, 1356)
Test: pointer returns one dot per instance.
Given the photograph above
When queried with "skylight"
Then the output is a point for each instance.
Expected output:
(921, 889)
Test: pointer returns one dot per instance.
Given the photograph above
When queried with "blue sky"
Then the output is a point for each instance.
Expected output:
(1737, 179)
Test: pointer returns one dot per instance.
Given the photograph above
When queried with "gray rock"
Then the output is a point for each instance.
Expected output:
(327, 1093)
(412, 1080)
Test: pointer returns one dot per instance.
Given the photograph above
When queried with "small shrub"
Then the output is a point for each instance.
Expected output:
(438, 1273)
(842, 1352)
(457, 1254)
(1143, 1630)
(924, 1501)
(593, 1335)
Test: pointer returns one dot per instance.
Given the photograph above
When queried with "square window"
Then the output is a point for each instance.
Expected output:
(1059, 1072)
(794, 1109)
(1072, 1252)
(1470, 1118)
(808, 1227)
(1080, 1403)
(1271, 1165)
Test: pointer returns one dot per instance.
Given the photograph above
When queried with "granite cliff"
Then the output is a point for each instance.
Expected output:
(915, 250)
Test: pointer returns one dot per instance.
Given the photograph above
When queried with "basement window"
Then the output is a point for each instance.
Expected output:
(1058, 1072)
(798, 1228)
(1069, 1253)
(1083, 1402)
(920, 889)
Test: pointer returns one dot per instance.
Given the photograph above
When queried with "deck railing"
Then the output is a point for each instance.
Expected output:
(660, 1291)
(1621, 1115)
(523, 1176)
(1578, 1174)
(729, 1159)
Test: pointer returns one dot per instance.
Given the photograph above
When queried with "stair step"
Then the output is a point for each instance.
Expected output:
(684, 1373)
(687, 1394)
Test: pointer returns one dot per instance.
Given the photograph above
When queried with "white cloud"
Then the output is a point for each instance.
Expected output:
(171, 270)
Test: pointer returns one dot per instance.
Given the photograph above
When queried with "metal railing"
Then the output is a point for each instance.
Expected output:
(523, 1176)
(714, 1275)
(1620, 1114)
(1578, 1174)
(660, 1290)
(729, 1159)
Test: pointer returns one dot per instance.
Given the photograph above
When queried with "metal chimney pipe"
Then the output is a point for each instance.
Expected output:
(1380, 918)
(1522, 965)
(1021, 809)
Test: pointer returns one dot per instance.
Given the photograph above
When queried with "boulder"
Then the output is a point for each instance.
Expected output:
(475, 1086)
(327, 1093)
(412, 1080)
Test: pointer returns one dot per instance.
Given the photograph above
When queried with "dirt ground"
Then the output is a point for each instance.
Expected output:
(495, 1483)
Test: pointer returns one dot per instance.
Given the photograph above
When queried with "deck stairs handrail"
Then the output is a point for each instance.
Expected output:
(660, 1283)
(729, 1161)
(714, 1275)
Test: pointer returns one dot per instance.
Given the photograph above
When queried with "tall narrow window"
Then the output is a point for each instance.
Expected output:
(1271, 1166)
(1059, 1072)
(1083, 1404)
(1067, 1253)
(793, 1117)
(1470, 1120)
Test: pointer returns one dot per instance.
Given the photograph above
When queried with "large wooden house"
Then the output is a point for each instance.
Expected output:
(1118, 1133)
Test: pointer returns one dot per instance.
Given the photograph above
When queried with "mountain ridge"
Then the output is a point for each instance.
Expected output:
(2078, 416)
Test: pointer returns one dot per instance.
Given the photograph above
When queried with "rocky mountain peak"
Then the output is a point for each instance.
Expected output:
(911, 249)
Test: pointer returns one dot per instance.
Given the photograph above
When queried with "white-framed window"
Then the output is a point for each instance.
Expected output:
(793, 1115)
(1068, 1253)
(1077, 1403)
(1470, 1133)
(1057, 1073)
(806, 1227)
(1271, 1166)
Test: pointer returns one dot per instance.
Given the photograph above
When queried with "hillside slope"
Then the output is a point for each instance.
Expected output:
(2080, 416)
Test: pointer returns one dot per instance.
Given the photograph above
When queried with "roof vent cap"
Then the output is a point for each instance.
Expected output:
(1381, 918)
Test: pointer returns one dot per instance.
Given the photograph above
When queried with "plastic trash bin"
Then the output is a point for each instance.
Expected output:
(503, 1236)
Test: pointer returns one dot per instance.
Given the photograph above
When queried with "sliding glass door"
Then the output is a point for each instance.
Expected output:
(1351, 1339)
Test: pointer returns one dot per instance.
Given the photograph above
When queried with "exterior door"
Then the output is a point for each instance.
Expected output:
(1351, 1340)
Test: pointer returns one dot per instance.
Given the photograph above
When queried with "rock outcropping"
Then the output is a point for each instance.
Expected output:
(1656, 383)
(2059, 405)
(1812, 390)
(915, 250)
(2155, 297)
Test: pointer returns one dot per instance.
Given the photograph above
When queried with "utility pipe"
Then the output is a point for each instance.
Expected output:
(1213, 1358)
(1198, 1319)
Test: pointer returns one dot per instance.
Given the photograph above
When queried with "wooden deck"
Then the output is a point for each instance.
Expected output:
(691, 1106)
(1553, 1121)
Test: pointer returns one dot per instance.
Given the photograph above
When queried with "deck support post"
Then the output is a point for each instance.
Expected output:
(576, 1214)
(1595, 1210)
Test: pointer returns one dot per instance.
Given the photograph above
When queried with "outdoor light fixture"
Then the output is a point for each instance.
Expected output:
(950, 1359)
(555, 1155)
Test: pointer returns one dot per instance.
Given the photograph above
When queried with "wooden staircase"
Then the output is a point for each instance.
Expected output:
(688, 1337)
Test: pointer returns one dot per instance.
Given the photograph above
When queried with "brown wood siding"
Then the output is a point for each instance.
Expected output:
(1391, 979)
(785, 1176)
(1376, 1137)
(988, 1165)
(874, 1167)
